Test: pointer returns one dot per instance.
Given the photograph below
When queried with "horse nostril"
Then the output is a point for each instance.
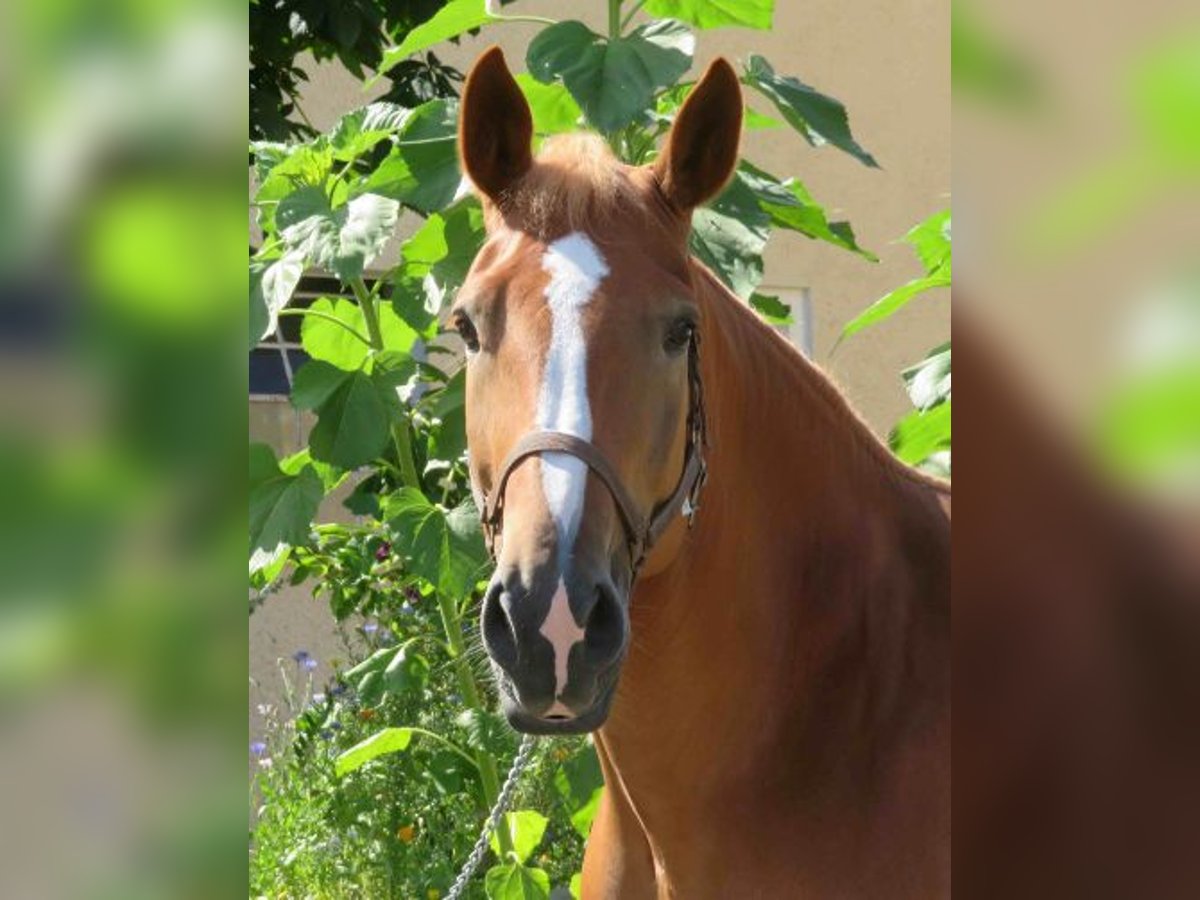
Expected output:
(499, 635)
(605, 625)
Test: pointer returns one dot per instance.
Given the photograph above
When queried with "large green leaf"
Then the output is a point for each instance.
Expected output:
(444, 547)
(422, 169)
(819, 118)
(455, 18)
(554, 109)
(360, 130)
(343, 240)
(789, 205)
(922, 433)
(315, 382)
(389, 740)
(928, 382)
(580, 784)
(729, 237)
(282, 505)
(526, 826)
(446, 244)
(613, 81)
(516, 882)
(328, 341)
(716, 13)
(352, 425)
(271, 285)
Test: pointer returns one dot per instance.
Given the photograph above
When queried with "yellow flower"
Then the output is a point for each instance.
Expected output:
(433, 894)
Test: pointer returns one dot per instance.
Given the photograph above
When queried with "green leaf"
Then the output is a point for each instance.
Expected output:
(789, 205)
(343, 240)
(716, 13)
(516, 882)
(331, 476)
(773, 310)
(729, 237)
(928, 382)
(526, 827)
(352, 425)
(453, 19)
(315, 382)
(376, 662)
(444, 547)
(576, 886)
(389, 740)
(328, 341)
(406, 672)
(895, 300)
(922, 433)
(931, 241)
(446, 244)
(580, 784)
(360, 130)
(271, 287)
(819, 118)
(422, 169)
(282, 506)
(554, 109)
(614, 81)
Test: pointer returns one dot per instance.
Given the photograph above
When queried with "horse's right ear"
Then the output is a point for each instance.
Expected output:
(495, 128)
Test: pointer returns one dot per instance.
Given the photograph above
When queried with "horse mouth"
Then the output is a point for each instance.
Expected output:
(556, 721)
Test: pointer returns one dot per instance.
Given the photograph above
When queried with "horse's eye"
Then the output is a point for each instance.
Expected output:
(462, 323)
(679, 335)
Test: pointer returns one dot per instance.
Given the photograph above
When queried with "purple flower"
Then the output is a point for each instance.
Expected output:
(301, 657)
(370, 627)
(309, 663)
(383, 551)
(258, 748)
(318, 699)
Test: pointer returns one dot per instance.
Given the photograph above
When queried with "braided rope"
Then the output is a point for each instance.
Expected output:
(493, 821)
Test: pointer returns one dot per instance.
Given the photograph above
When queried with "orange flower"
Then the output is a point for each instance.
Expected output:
(406, 833)
(366, 714)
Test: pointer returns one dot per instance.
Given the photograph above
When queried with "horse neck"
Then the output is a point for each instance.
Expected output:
(796, 623)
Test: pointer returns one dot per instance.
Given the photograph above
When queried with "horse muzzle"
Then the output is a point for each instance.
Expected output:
(556, 642)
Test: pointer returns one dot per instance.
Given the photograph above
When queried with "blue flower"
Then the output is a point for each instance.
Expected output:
(309, 663)
(258, 748)
(370, 627)
(301, 657)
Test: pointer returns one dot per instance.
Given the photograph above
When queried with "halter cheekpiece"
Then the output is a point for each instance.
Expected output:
(641, 532)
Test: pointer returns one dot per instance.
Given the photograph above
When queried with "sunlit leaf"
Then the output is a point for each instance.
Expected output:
(343, 240)
(928, 382)
(422, 169)
(526, 827)
(554, 109)
(612, 80)
(455, 18)
(389, 740)
(271, 286)
(360, 130)
(580, 784)
(922, 433)
(445, 547)
(716, 13)
(516, 882)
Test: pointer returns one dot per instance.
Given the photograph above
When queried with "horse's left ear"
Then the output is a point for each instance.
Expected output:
(495, 129)
(702, 148)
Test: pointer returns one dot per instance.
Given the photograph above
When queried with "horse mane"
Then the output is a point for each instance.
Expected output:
(575, 184)
(745, 329)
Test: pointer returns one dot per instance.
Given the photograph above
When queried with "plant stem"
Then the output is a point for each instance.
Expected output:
(366, 302)
(401, 436)
(489, 776)
(633, 12)
(614, 19)
(539, 20)
(316, 313)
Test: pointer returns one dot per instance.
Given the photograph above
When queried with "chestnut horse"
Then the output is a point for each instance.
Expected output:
(769, 691)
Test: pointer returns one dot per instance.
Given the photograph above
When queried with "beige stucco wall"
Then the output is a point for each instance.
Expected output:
(888, 61)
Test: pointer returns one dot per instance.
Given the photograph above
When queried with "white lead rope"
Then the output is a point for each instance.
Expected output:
(493, 821)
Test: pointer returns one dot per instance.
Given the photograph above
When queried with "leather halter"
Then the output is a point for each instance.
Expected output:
(641, 532)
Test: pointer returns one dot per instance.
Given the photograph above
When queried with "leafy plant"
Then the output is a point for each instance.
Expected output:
(922, 437)
(388, 396)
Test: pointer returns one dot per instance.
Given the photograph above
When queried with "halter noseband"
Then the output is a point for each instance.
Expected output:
(641, 533)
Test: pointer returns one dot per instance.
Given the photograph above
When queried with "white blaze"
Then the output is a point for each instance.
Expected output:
(576, 269)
